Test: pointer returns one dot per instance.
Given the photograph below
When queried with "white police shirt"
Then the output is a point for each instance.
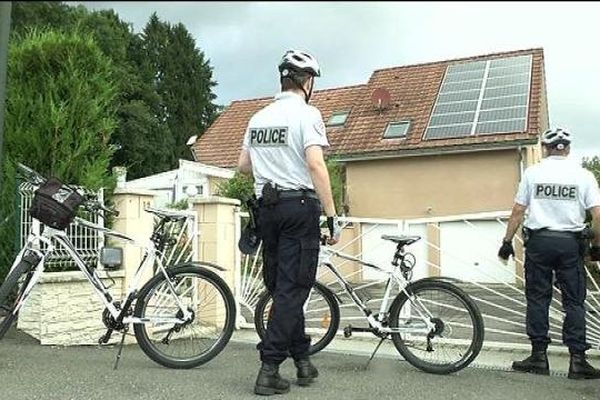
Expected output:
(557, 192)
(276, 138)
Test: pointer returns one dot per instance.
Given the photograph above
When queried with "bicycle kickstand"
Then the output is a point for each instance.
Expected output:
(374, 351)
(120, 349)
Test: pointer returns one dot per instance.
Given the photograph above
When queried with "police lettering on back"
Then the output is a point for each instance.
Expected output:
(275, 136)
(550, 191)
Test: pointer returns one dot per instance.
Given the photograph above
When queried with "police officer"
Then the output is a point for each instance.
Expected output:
(282, 149)
(556, 192)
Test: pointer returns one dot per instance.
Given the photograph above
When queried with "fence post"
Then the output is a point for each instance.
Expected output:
(217, 242)
(135, 223)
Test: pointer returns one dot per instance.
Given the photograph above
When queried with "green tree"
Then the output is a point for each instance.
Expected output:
(143, 142)
(60, 116)
(337, 179)
(142, 139)
(183, 80)
(239, 187)
(165, 84)
(41, 15)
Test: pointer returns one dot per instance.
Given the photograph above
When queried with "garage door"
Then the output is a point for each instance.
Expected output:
(470, 252)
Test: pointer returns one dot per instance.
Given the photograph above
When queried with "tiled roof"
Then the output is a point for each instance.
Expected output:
(413, 91)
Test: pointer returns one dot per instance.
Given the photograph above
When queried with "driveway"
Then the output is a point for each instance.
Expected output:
(29, 371)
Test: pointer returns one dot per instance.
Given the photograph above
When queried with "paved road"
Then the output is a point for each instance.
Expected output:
(29, 371)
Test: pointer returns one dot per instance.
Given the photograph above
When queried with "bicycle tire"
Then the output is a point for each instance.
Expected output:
(331, 314)
(10, 293)
(210, 280)
(472, 327)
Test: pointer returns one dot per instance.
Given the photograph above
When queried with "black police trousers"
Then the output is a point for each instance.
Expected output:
(290, 233)
(562, 253)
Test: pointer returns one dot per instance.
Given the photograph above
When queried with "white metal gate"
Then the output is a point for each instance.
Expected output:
(463, 248)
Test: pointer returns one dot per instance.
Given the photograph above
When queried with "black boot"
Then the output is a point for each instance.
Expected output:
(306, 372)
(269, 381)
(579, 368)
(536, 363)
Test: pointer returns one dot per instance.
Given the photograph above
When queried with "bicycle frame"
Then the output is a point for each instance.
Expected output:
(393, 276)
(151, 255)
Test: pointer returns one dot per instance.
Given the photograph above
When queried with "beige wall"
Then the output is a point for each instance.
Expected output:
(533, 155)
(64, 309)
(448, 184)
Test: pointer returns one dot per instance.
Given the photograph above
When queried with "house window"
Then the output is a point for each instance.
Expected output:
(396, 130)
(338, 118)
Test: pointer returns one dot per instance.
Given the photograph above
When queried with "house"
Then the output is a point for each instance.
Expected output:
(441, 138)
(437, 139)
(189, 180)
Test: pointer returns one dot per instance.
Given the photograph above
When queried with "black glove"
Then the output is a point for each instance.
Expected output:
(335, 229)
(595, 253)
(506, 250)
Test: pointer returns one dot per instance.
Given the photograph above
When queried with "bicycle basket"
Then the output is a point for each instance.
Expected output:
(55, 204)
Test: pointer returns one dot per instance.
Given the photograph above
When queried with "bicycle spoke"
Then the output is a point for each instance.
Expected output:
(450, 342)
(190, 339)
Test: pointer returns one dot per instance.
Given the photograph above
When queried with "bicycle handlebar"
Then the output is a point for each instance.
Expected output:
(33, 177)
(91, 201)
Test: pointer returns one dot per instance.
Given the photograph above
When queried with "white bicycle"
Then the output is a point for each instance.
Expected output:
(432, 322)
(182, 317)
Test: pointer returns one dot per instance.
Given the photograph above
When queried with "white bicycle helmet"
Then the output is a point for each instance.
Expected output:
(558, 137)
(296, 60)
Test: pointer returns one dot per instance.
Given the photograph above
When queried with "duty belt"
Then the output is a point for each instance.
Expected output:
(558, 234)
(293, 194)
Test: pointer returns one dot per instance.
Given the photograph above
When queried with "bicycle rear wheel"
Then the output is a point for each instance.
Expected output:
(457, 334)
(321, 316)
(11, 292)
(194, 343)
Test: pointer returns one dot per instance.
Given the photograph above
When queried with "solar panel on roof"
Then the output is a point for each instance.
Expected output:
(482, 97)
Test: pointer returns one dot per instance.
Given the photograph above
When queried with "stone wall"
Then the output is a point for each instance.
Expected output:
(64, 309)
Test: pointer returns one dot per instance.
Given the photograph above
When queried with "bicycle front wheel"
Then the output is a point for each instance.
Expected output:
(11, 293)
(455, 334)
(187, 345)
(321, 316)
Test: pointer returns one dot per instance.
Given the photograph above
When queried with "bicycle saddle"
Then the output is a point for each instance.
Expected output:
(401, 240)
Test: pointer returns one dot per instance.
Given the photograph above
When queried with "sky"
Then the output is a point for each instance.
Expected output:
(245, 40)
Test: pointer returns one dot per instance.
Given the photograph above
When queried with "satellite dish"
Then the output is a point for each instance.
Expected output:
(191, 141)
(381, 98)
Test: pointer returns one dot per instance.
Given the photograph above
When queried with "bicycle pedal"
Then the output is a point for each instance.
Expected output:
(105, 338)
